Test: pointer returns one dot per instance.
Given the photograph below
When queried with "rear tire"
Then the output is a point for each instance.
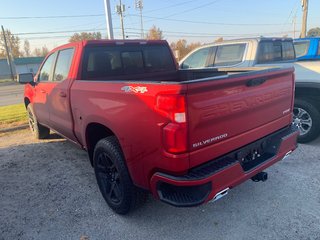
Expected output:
(38, 131)
(113, 177)
(307, 118)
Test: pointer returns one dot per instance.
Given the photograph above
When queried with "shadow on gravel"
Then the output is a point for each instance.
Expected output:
(48, 191)
(54, 136)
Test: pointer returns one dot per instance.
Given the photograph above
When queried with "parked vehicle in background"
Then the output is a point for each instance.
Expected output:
(188, 136)
(258, 52)
(307, 48)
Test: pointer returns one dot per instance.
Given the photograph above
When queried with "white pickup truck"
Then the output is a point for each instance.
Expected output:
(259, 52)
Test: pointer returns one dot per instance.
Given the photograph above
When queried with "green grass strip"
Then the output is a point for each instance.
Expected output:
(12, 113)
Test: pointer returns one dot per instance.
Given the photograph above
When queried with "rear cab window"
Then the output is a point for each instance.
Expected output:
(275, 51)
(107, 61)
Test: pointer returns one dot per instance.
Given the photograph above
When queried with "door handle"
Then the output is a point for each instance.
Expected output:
(42, 91)
(256, 82)
(62, 94)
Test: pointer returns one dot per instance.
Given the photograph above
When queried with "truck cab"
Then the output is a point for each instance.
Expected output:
(307, 48)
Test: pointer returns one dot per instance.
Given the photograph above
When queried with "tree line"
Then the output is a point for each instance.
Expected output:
(181, 47)
(14, 45)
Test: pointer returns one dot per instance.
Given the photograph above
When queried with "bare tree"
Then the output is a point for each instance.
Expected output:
(37, 52)
(44, 50)
(13, 43)
(40, 52)
(220, 39)
(26, 47)
(85, 36)
(154, 33)
(314, 32)
(183, 47)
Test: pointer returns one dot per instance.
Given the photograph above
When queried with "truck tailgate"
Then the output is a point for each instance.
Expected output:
(227, 109)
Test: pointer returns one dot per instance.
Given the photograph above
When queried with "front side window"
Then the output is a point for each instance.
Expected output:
(198, 59)
(228, 55)
(301, 48)
(45, 72)
(63, 64)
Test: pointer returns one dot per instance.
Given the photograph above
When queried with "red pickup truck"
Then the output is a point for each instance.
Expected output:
(187, 136)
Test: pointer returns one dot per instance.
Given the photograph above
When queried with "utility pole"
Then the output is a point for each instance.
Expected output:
(108, 18)
(7, 51)
(139, 5)
(304, 19)
(120, 10)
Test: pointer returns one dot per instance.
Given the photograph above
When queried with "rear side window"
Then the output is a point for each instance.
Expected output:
(101, 62)
(63, 64)
(301, 48)
(229, 54)
(275, 51)
(198, 59)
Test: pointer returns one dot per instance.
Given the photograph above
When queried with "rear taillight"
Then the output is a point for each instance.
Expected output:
(175, 132)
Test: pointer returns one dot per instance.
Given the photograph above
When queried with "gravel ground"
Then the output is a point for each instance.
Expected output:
(48, 191)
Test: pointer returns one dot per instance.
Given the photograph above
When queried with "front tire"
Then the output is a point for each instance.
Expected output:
(113, 177)
(307, 118)
(38, 131)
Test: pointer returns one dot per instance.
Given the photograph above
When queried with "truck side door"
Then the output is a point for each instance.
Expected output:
(42, 88)
(59, 99)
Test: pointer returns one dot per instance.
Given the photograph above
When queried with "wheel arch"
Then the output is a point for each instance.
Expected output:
(95, 132)
(26, 102)
(310, 93)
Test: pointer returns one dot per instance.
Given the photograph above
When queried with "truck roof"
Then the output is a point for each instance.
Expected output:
(256, 39)
(307, 38)
(109, 42)
(119, 41)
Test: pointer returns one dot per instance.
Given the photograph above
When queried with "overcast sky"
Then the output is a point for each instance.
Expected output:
(193, 20)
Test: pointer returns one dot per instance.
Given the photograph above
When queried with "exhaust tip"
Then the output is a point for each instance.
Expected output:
(221, 194)
(262, 176)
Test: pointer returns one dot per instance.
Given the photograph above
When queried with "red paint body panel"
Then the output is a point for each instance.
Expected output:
(217, 106)
(229, 177)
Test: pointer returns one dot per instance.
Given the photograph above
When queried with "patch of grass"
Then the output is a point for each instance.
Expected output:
(6, 80)
(12, 115)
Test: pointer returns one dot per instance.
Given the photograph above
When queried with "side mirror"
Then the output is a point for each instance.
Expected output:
(25, 78)
(184, 66)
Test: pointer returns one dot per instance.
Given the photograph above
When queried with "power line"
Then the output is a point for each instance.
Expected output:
(102, 29)
(150, 17)
(170, 6)
(67, 31)
(194, 8)
(61, 16)
(210, 23)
